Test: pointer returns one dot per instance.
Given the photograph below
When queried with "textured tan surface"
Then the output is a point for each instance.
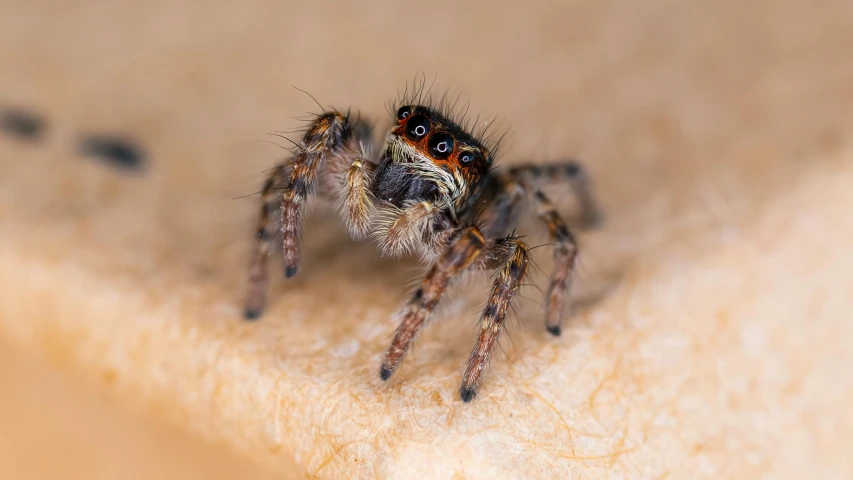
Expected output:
(54, 426)
(713, 309)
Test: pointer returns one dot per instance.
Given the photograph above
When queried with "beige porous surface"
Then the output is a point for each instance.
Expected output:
(710, 326)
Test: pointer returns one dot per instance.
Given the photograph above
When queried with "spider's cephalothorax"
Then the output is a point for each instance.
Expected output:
(432, 192)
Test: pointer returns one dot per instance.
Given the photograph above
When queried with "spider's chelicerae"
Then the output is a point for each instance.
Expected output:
(431, 191)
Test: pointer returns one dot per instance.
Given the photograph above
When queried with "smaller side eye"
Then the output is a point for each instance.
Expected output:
(468, 156)
(440, 145)
(417, 126)
(404, 112)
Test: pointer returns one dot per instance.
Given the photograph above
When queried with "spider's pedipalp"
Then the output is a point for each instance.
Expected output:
(357, 206)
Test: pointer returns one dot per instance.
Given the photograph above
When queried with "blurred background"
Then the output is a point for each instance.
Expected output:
(676, 107)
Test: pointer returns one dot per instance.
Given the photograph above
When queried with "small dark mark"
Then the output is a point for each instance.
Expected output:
(385, 373)
(562, 233)
(118, 152)
(490, 311)
(290, 271)
(23, 124)
(554, 330)
(419, 293)
(515, 270)
(573, 169)
(467, 394)
(252, 314)
(299, 185)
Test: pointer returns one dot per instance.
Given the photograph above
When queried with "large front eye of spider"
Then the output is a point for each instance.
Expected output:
(404, 112)
(417, 126)
(440, 145)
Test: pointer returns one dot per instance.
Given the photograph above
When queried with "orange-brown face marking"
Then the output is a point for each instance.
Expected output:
(446, 144)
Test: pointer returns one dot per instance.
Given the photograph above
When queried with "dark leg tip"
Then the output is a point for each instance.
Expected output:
(467, 394)
(385, 373)
(554, 330)
(290, 271)
(252, 313)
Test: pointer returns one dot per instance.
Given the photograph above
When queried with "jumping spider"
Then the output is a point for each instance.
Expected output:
(432, 191)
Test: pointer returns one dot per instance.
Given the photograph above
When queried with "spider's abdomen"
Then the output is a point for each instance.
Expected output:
(396, 184)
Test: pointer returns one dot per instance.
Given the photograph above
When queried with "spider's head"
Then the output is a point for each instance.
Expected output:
(429, 157)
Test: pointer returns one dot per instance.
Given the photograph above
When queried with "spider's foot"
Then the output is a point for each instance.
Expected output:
(467, 393)
(290, 270)
(554, 330)
(253, 313)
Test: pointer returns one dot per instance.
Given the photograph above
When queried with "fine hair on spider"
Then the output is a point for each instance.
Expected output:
(429, 189)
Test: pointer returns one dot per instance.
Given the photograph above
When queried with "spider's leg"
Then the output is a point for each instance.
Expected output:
(565, 253)
(569, 172)
(463, 248)
(258, 275)
(328, 137)
(509, 256)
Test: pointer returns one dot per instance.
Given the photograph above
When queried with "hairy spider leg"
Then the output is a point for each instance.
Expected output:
(571, 173)
(463, 249)
(329, 138)
(510, 256)
(258, 274)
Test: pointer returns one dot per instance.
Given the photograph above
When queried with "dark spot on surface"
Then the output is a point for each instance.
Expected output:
(116, 151)
(554, 330)
(385, 373)
(418, 294)
(490, 311)
(540, 196)
(467, 394)
(23, 124)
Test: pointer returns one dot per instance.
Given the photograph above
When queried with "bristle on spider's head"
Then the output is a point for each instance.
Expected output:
(449, 106)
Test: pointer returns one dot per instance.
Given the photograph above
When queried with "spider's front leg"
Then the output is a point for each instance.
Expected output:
(510, 257)
(328, 140)
(464, 247)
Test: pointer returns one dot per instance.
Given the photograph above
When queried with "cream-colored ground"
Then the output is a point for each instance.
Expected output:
(712, 312)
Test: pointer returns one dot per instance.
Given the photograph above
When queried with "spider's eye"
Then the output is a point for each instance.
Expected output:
(440, 145)
(417, 127)
(404, 112)
(468, 157)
